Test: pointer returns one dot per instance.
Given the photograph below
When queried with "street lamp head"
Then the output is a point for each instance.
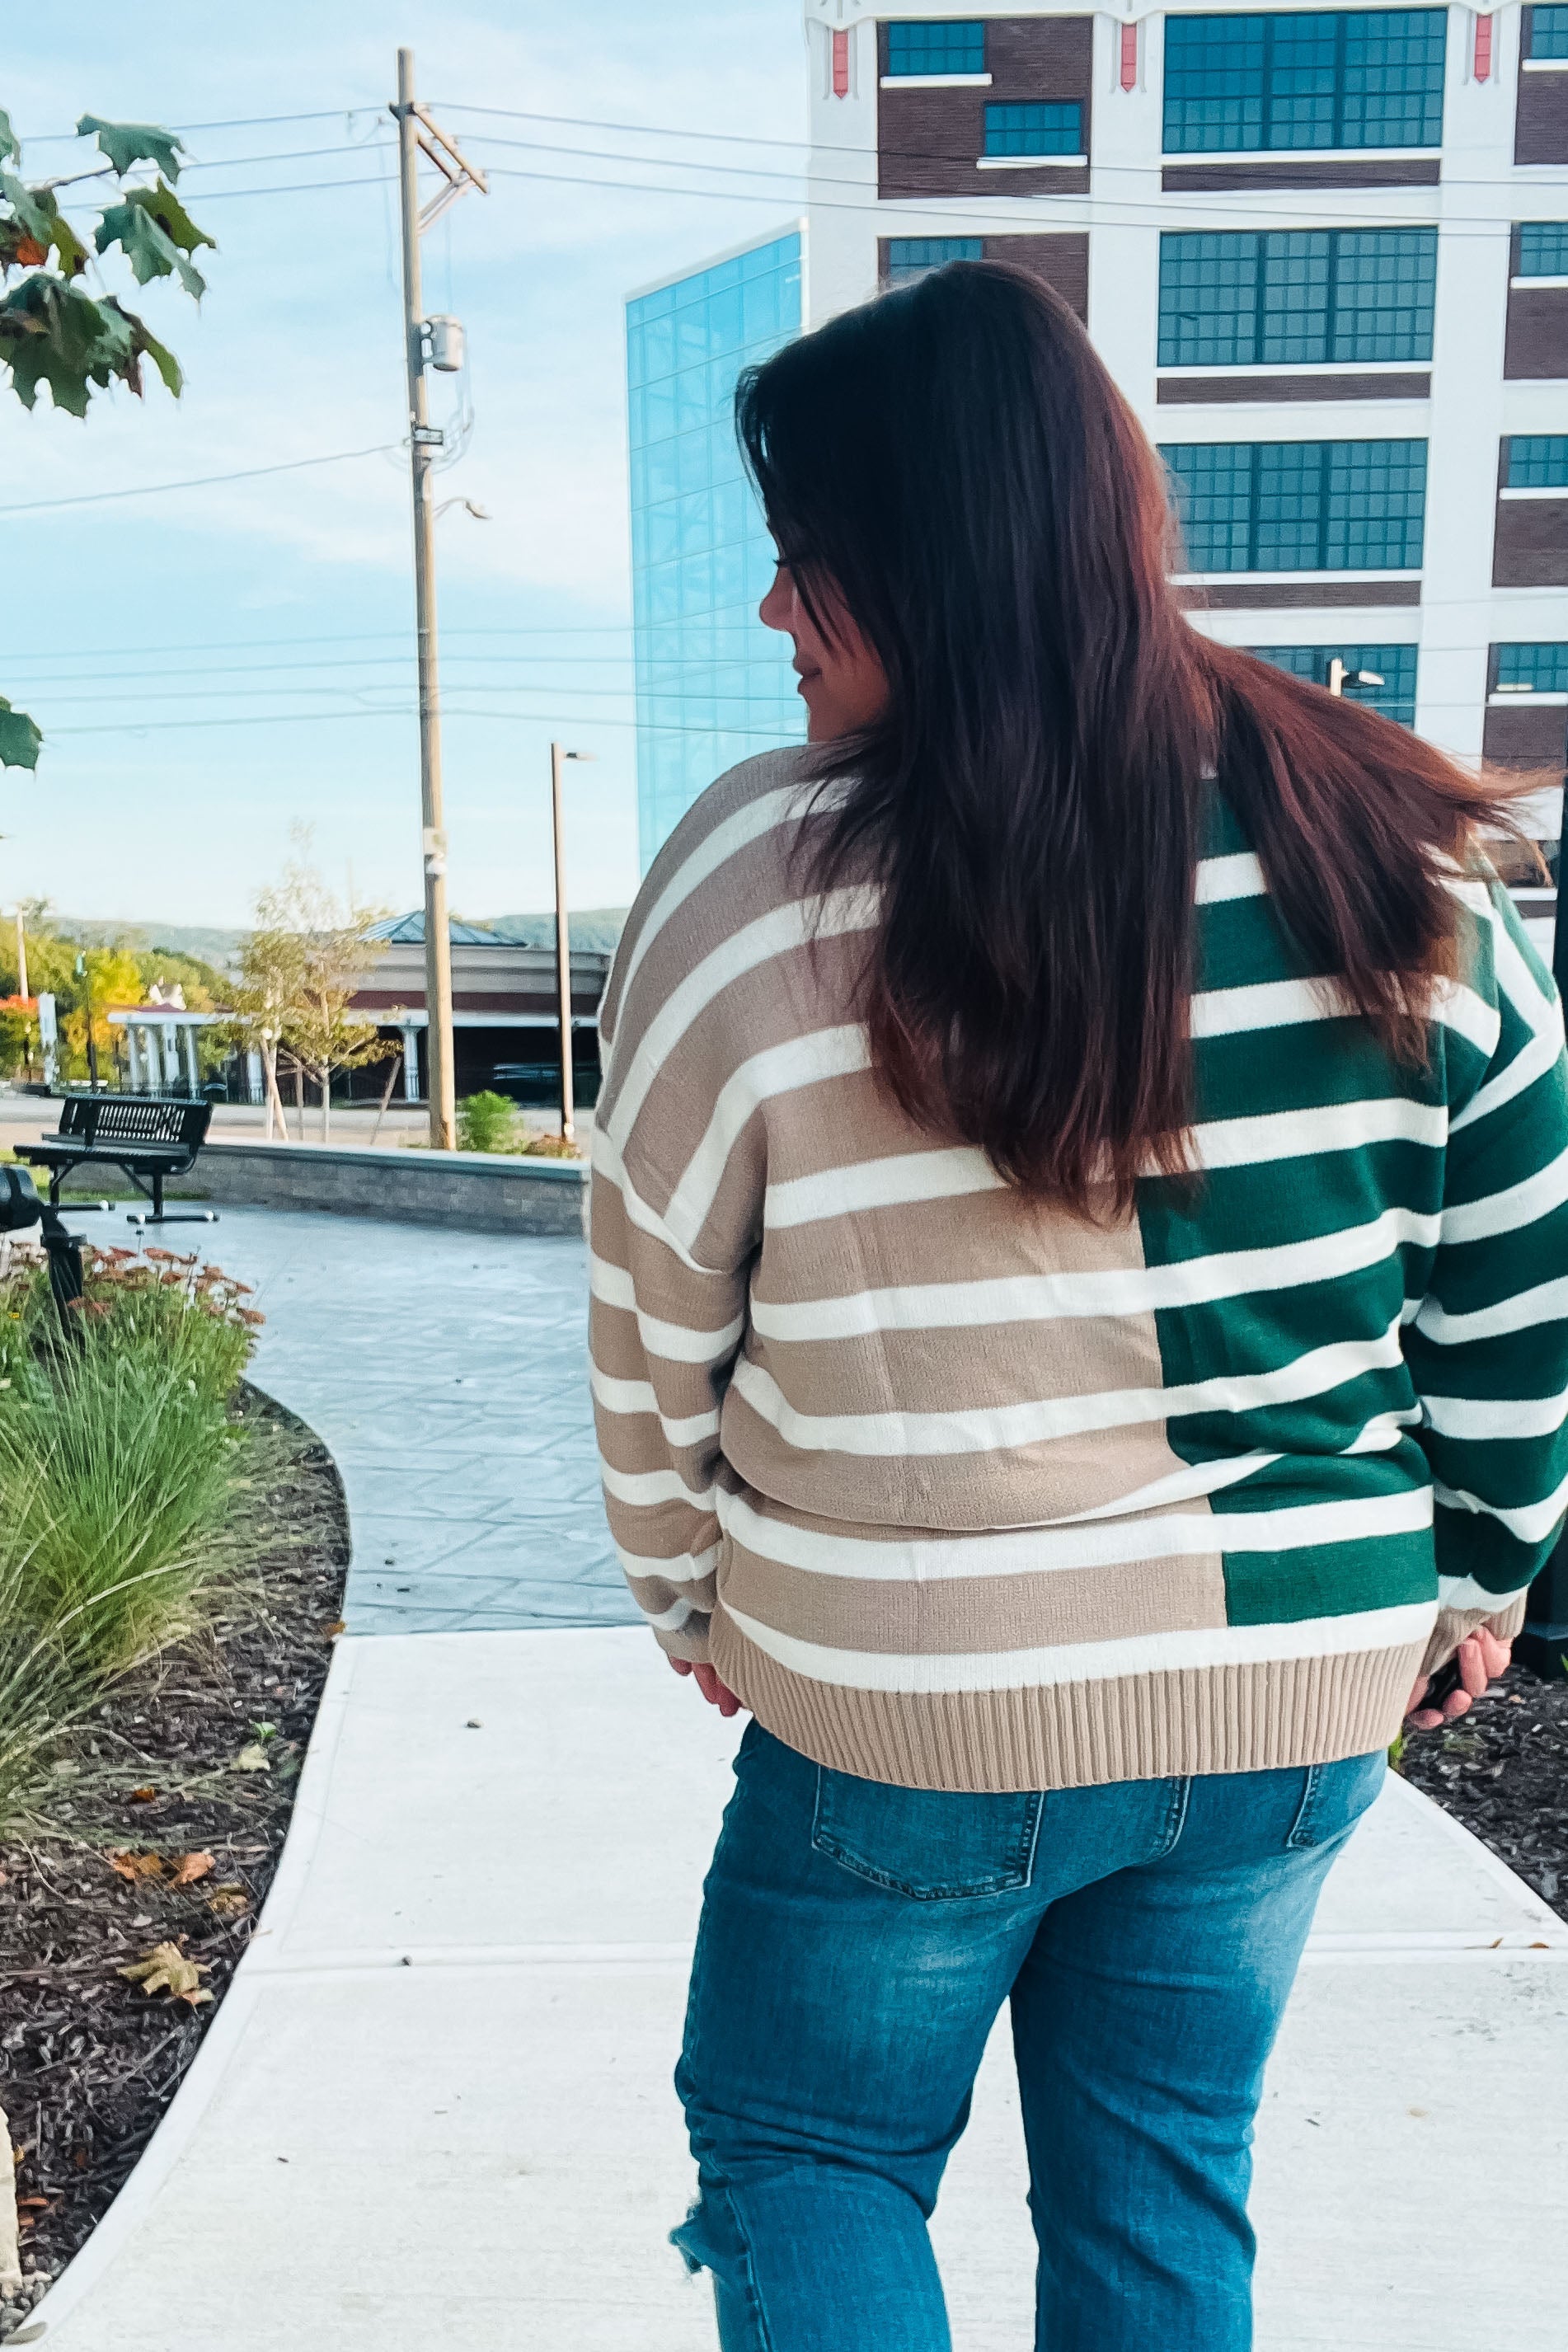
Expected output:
(579, 755)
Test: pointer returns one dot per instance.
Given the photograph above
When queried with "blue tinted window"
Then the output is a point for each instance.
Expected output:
(912, 256)
(1368, 78)
(1034, 130)
(1548, 34)
(1544, 668)
(712, 684)
(957, 47)
(1300, 506)
(1537, 461)
(1543, 249)
(1394, 664)
(1295, 297)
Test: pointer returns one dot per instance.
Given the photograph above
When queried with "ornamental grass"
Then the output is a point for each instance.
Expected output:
(124, 1468)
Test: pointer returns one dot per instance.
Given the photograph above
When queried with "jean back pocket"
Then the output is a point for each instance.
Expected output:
(933, 1844)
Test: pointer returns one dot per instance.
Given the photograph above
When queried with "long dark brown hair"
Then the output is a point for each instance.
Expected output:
(952, 466)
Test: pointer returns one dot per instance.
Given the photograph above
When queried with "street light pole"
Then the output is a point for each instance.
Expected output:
(562, 937)
(417, 136)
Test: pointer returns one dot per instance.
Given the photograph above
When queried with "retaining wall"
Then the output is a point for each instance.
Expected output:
(479, 1190)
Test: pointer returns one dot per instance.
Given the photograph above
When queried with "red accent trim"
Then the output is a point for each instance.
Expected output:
(1129, 57)
(840, 65)
(1483, 47)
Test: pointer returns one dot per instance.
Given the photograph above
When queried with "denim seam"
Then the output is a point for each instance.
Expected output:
(1177, 1818)
(1305, 1823)
(753, 2293)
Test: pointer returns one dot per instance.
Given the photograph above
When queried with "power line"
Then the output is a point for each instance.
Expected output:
(235, 122)
(808, 147)
(554, 715)
(200, 481)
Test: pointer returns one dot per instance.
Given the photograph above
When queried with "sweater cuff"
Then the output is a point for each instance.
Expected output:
(1454, 1624)
(690, 1642)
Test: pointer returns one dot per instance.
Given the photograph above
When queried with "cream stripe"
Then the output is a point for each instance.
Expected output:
(1108, 1543)
(1533, 1060)
(1123, 1290)
(747, 824)
(777, 933)
(1464, 1592)
(1383, 1431)
(903, 1176)
(687, 1567)
(1531, 1523)
(1238, 875)
(1084, 1662)
(635, 1398)
(804, 1061)
(610, 1169)
(1547, 1303)
(642, 1489)
(673, 1341)
(1515, 1205)
(1265, 1004)
(1282, 1004)
(987, 1430)
(1485, 1417)
(1543, 1016)
(1178, 1487)
(1335, 1127)
(671, 1620)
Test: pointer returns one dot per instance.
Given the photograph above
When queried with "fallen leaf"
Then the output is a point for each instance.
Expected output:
(166, 1968)
(126, 1865)
(189, 1868)
(339, 1625)
(228, 1901)
(253, 1759)
(144, 1796)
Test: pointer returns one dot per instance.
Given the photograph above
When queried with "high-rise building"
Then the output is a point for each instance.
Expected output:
(1325, 256)
(712, 684)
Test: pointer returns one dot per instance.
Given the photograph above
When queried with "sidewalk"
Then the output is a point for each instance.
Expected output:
(435, 2109)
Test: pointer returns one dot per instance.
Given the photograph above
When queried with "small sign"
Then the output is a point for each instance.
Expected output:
(49, 1029)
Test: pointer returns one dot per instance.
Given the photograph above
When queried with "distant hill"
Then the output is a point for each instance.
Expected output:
(595, 927)
(210, 943)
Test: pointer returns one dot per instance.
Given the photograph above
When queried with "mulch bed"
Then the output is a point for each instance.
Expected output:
(1502, 1770)
(152, 1778)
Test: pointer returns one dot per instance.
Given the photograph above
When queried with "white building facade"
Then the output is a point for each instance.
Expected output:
(1324, 254)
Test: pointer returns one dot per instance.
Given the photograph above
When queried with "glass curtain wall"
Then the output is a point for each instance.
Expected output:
(712, 684)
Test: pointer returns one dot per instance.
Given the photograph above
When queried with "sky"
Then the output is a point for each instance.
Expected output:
(216, 667)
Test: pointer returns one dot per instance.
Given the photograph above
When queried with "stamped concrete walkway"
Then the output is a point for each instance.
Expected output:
(435, 2110)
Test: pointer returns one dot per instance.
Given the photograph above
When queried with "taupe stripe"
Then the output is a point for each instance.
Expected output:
(949, 1492)
(942, 1370)
(957, 1614)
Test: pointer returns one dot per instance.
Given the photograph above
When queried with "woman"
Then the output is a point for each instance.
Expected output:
(1077, 1195)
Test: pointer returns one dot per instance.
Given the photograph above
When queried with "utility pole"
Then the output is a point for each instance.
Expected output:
(418, 135)
(562, 937)
(22, 988)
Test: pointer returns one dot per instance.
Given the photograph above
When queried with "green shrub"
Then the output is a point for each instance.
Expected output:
(487, 1122)
(120, 1456)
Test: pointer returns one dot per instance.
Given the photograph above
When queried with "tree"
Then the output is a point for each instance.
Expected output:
(299, 971)
(113, 977)
(52, 331)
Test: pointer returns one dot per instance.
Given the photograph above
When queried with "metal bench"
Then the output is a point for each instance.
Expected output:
(147, 1137)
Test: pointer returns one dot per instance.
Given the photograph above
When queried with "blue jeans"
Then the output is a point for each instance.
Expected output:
(857, 1941)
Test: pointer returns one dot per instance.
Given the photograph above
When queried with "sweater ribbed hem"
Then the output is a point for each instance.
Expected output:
(1254, 1717)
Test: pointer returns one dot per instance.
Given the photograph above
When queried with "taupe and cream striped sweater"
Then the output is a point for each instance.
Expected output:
(960, 1492)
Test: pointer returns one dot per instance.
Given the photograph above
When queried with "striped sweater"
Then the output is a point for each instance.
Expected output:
(957, 1491)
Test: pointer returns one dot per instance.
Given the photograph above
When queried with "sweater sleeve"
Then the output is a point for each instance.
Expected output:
(671, 1251)
(1487, 1350)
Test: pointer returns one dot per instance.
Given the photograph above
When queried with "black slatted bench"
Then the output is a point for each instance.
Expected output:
(149, 1138)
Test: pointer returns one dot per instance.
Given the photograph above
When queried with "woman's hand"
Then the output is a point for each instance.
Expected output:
(1481, 1658)
(719, 1694)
